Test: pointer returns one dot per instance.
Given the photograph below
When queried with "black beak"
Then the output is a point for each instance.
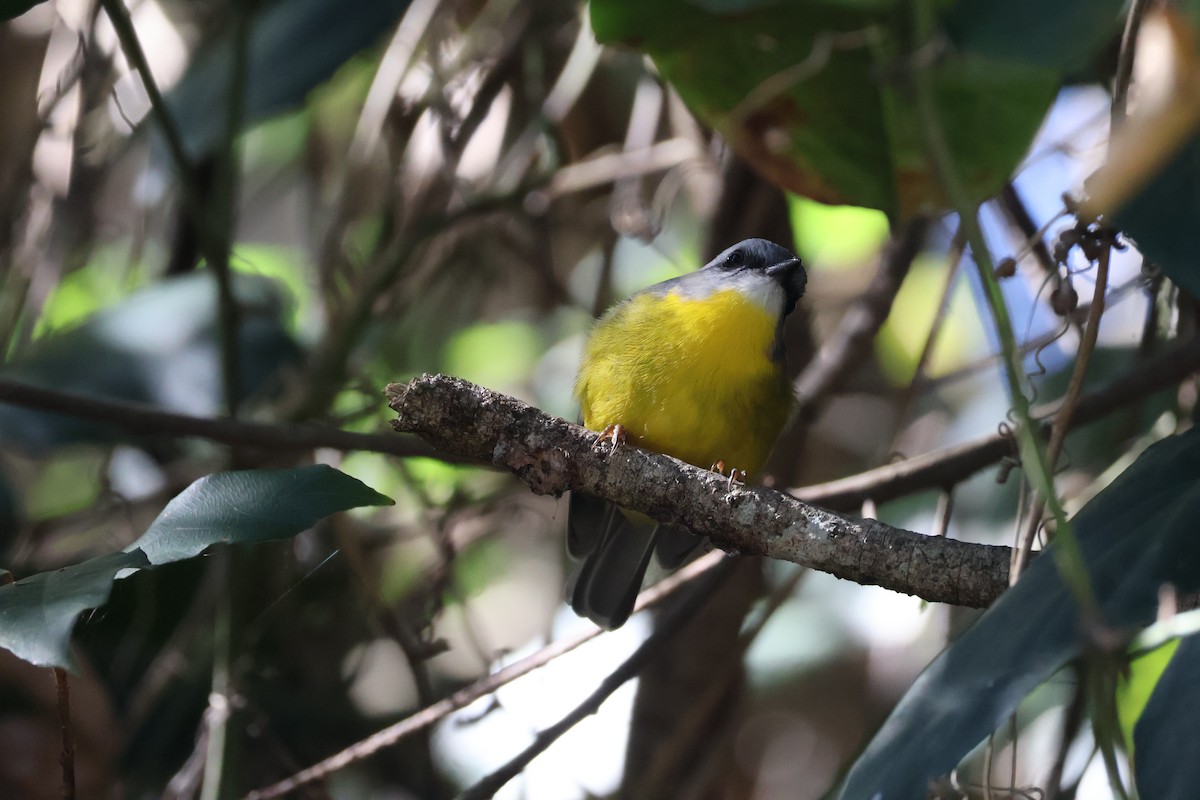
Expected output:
(792, 278)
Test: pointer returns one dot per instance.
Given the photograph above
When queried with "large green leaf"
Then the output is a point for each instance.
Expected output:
(250, 506)
(38, 613)
(1136, 535)
(1164, 738)
(812, 93)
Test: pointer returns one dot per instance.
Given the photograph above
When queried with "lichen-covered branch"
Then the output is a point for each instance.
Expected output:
(553, 456)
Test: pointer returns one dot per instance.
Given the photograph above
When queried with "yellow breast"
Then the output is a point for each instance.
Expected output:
(690, 377)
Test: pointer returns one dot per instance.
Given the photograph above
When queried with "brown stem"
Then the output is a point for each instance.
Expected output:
(67, 759)
(553, 456)
(138, 418)
(949, 466)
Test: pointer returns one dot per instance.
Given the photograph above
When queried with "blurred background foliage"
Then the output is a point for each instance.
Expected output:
(461, 187)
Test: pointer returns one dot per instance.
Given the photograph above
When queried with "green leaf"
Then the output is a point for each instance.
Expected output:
(1164, 750)
(250, 506)
(1160, 216)
(1063, 35)
(38, 613)
(1137, 684)
(808, 93)
(1135, 535)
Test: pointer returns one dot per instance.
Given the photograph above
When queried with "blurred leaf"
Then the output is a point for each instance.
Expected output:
(250, 506)
(903, 335)
(294, 46)
(82, 292)
(499, 355)
(159, 346)
(835, 237)
(286, 265)
(1160, 216)
(440, 482)
(802, 91)
(38, 613)
(69, 482)
(1063, 35)
(1164, 750)
(15, 8)
(1136, 686)
(1149, 183)
(1136, 535)
(477, 566)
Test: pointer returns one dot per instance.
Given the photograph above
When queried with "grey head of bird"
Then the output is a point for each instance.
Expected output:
(765, 272)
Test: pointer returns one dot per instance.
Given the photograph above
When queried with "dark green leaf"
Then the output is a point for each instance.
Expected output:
(1164, 744)
(1064, 35)
(251, 506)
(38, 613)
(809, 93)
(1160, 218)
(1136, 535)
(15, 8)
(295, 45)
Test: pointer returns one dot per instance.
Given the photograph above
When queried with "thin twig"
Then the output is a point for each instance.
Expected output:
(1036, 343)
(1015, 207)
(147, 420)
(943, 513)
(225, 733)
(67, 758)
(950, 465)
(1062, 419)
(481, 688)
(845, 349)
(666, 628)
(919, 379)
(1124, 74)
(603, 168)
(131, 46)
(1073, 716)
(224, 210)
(328, 364)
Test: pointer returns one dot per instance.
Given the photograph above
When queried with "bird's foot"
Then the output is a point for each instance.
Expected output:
(614, 434)
(737, 477)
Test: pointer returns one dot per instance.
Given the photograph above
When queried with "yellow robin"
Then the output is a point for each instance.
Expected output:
(694, 368)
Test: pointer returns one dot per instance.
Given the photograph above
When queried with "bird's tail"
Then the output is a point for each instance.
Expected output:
(614, 552)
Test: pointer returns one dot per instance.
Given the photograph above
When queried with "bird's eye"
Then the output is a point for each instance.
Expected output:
(735, 259)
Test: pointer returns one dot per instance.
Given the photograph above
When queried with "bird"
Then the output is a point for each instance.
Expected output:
(692, 367)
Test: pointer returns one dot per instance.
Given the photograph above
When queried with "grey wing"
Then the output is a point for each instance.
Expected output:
(614, 552)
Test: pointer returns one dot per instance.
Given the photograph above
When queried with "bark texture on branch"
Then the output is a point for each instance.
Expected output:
(553, 456)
